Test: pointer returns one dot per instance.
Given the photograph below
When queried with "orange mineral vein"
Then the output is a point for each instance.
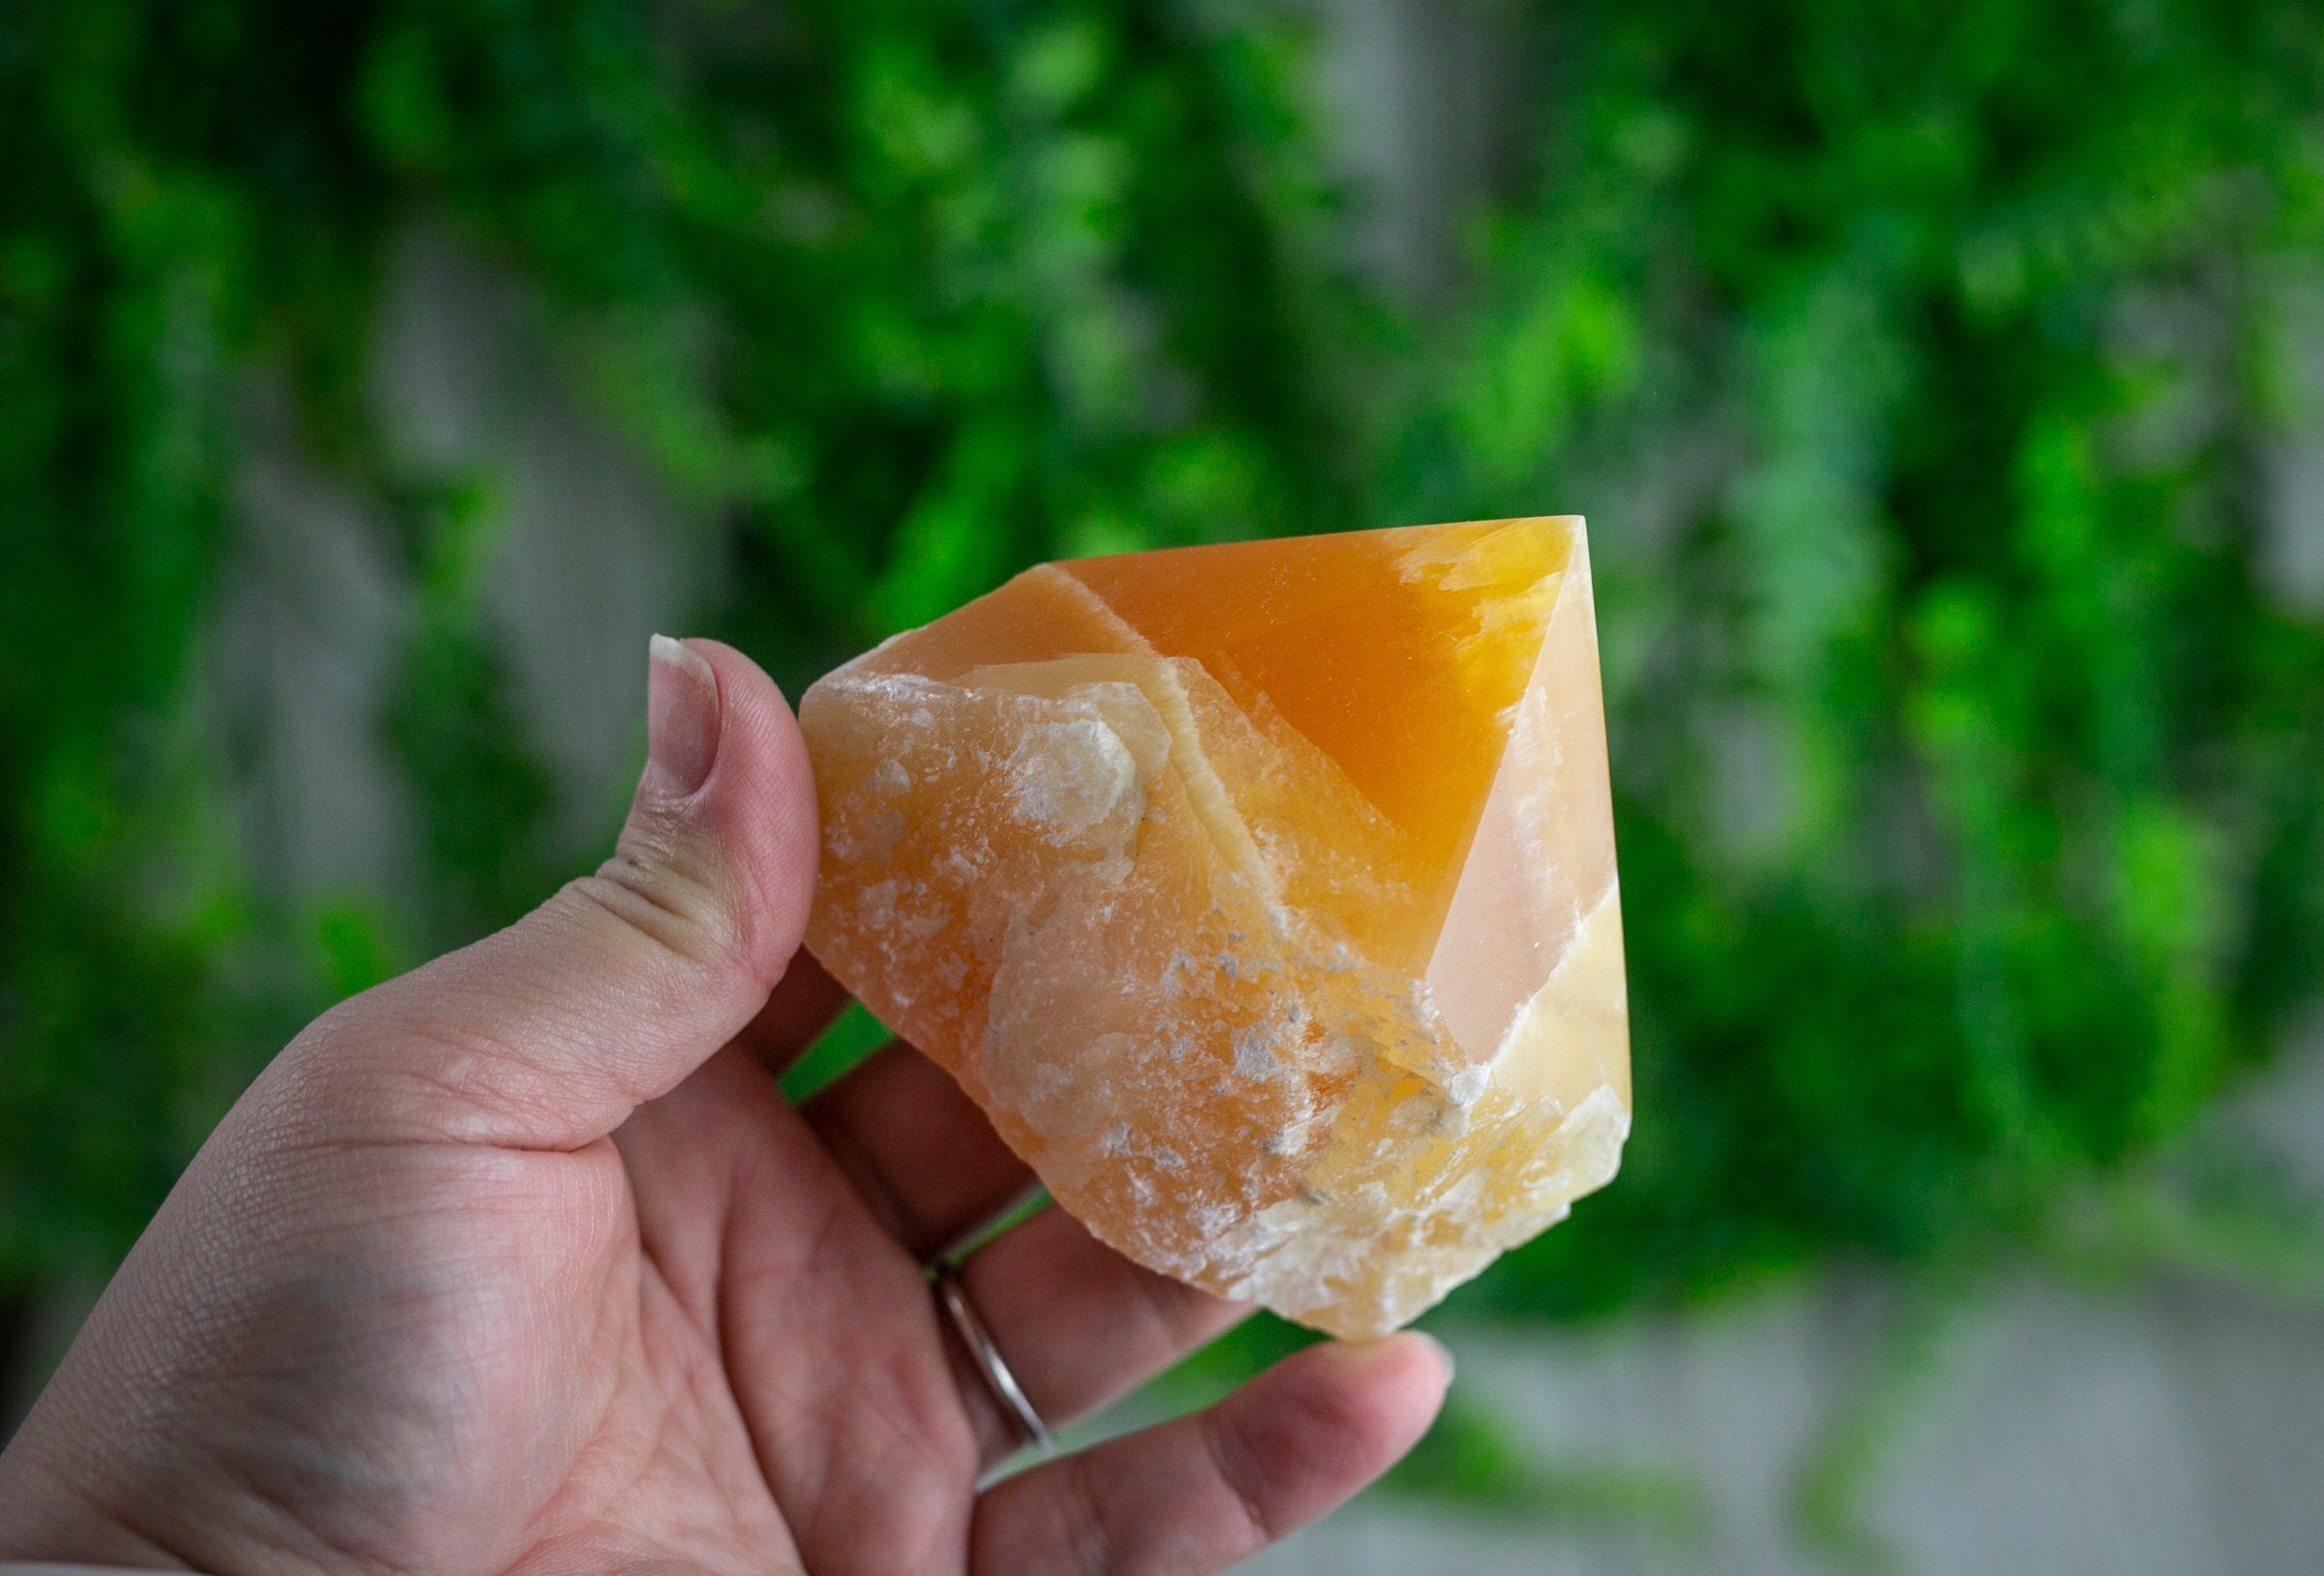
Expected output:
(1262, 894)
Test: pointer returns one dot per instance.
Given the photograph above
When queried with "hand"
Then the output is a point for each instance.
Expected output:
(522, 1262)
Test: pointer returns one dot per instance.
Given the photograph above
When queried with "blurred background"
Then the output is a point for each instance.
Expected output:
(1944, 382)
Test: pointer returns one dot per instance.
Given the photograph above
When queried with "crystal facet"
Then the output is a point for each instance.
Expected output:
(1263, 895)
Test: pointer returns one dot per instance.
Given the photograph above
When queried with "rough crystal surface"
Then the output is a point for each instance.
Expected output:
(1263, 895)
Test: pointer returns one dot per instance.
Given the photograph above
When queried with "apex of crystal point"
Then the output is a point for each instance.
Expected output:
(1262, 895)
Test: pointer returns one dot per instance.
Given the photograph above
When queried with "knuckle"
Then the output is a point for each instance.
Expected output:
(1084, 1532)
(688, 912)
(1240, 1471)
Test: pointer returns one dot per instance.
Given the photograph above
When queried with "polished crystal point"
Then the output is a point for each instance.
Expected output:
(1262, 894)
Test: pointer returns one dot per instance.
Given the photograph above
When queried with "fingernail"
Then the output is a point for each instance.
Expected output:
(681, 716)
(1444, 1352)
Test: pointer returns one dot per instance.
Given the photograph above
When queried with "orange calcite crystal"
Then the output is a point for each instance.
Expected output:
(1263, 895)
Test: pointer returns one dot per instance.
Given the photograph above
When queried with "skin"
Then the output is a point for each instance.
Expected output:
(521, 1262)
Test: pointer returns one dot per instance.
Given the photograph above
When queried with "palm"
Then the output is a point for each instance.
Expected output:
(764, 1377)
(778, 1388)
(632, 1369)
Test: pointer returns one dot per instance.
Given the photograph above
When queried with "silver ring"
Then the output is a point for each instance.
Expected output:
(997, 1378)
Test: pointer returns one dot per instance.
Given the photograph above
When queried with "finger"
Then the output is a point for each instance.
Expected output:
(800, 1008)
(1077, 1323)
(918, 1149)
(1197, 1495)
(549, 1033)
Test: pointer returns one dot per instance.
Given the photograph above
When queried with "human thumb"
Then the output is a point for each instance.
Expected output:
(548, 1034)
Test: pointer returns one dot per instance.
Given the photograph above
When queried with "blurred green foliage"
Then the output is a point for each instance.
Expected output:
(1924, 366)
(1924, 370)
